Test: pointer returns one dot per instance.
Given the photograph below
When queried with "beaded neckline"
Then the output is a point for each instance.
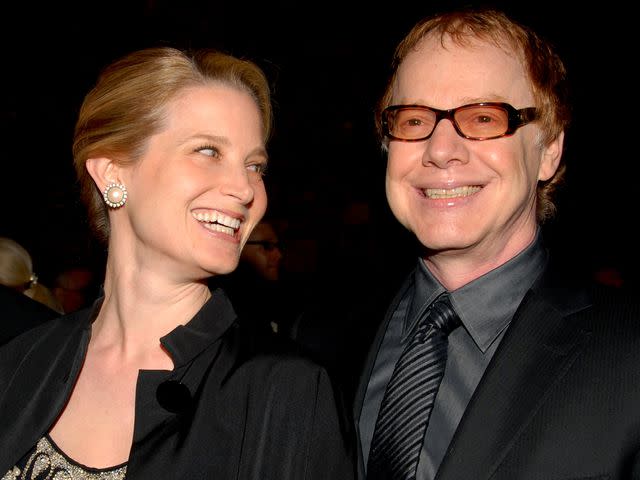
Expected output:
(48, 461)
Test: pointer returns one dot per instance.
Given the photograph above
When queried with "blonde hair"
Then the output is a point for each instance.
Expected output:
(16, 271)
(127, 106)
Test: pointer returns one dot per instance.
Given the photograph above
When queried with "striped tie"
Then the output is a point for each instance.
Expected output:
(409, 397)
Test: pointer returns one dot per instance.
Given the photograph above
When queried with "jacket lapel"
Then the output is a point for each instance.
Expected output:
(27, 411)
(368, 368)
(537, 349)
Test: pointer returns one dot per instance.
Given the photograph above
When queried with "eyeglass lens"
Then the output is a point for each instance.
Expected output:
(266, 244)
(477, 121)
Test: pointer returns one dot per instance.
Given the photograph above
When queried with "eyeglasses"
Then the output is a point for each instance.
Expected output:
(266, 244)
(475, 121)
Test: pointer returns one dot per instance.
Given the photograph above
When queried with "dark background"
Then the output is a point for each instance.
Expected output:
(327, 63)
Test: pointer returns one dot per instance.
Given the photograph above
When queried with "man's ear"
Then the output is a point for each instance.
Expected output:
(550, 160)
(103, 171)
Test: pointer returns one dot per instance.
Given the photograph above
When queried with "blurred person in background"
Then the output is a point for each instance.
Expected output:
(16, 272)
(19, 310)
(257, 288)
(75, 287)
(263, 252)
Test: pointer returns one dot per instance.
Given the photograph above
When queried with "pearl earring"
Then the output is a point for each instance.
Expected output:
(115, 195)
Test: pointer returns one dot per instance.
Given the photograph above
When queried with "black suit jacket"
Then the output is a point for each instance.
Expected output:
(19, 313)
(561, 397)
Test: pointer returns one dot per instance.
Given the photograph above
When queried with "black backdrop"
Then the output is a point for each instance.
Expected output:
(327, 63)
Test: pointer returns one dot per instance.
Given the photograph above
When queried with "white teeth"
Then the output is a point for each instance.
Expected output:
(451, 192)
(216, 227)
(206, 217)
(217, 219)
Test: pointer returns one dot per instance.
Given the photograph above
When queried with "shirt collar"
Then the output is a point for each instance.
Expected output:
(185, 342)
(215, 317)
(487, 304)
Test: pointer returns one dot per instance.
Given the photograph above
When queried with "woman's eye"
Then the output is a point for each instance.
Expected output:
(259, 168)
(209, 151)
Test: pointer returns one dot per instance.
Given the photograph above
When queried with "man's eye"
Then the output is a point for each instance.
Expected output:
(484, 119)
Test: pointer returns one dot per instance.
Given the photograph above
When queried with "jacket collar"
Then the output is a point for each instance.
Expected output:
(186, 342)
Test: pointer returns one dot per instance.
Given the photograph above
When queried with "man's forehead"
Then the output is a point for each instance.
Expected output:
(436, 42)
(475, 70)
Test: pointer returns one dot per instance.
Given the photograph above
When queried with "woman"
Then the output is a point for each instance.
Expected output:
(157, 379)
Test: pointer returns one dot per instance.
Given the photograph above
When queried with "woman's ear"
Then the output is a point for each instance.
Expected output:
(106, 175)
(103, 171)
(550, 161)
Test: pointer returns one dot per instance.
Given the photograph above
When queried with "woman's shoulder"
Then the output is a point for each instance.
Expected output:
(20, 313)
(277, 361)
(282, 354)
(62, 324)
(42, 341)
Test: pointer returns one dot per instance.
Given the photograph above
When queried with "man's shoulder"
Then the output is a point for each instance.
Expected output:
(611, 315)
(615, 308)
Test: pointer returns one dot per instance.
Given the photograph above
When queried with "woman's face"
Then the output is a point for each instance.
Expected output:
(197, 192)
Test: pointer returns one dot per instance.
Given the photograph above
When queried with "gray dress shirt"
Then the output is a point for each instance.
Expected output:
(485, 307)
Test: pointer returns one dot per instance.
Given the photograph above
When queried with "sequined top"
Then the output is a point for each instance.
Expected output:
(47, 462)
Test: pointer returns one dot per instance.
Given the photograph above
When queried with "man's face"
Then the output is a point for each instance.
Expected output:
(263, 253)
(461, 196)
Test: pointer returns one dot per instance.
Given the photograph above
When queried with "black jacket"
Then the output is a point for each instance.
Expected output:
(246, 413)
(19, 313)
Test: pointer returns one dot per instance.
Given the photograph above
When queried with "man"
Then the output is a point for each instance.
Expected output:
(541, 381)
(75, 287)
(262, 252)
(256, 288)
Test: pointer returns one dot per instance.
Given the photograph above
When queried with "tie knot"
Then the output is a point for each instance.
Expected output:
(443, 316)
